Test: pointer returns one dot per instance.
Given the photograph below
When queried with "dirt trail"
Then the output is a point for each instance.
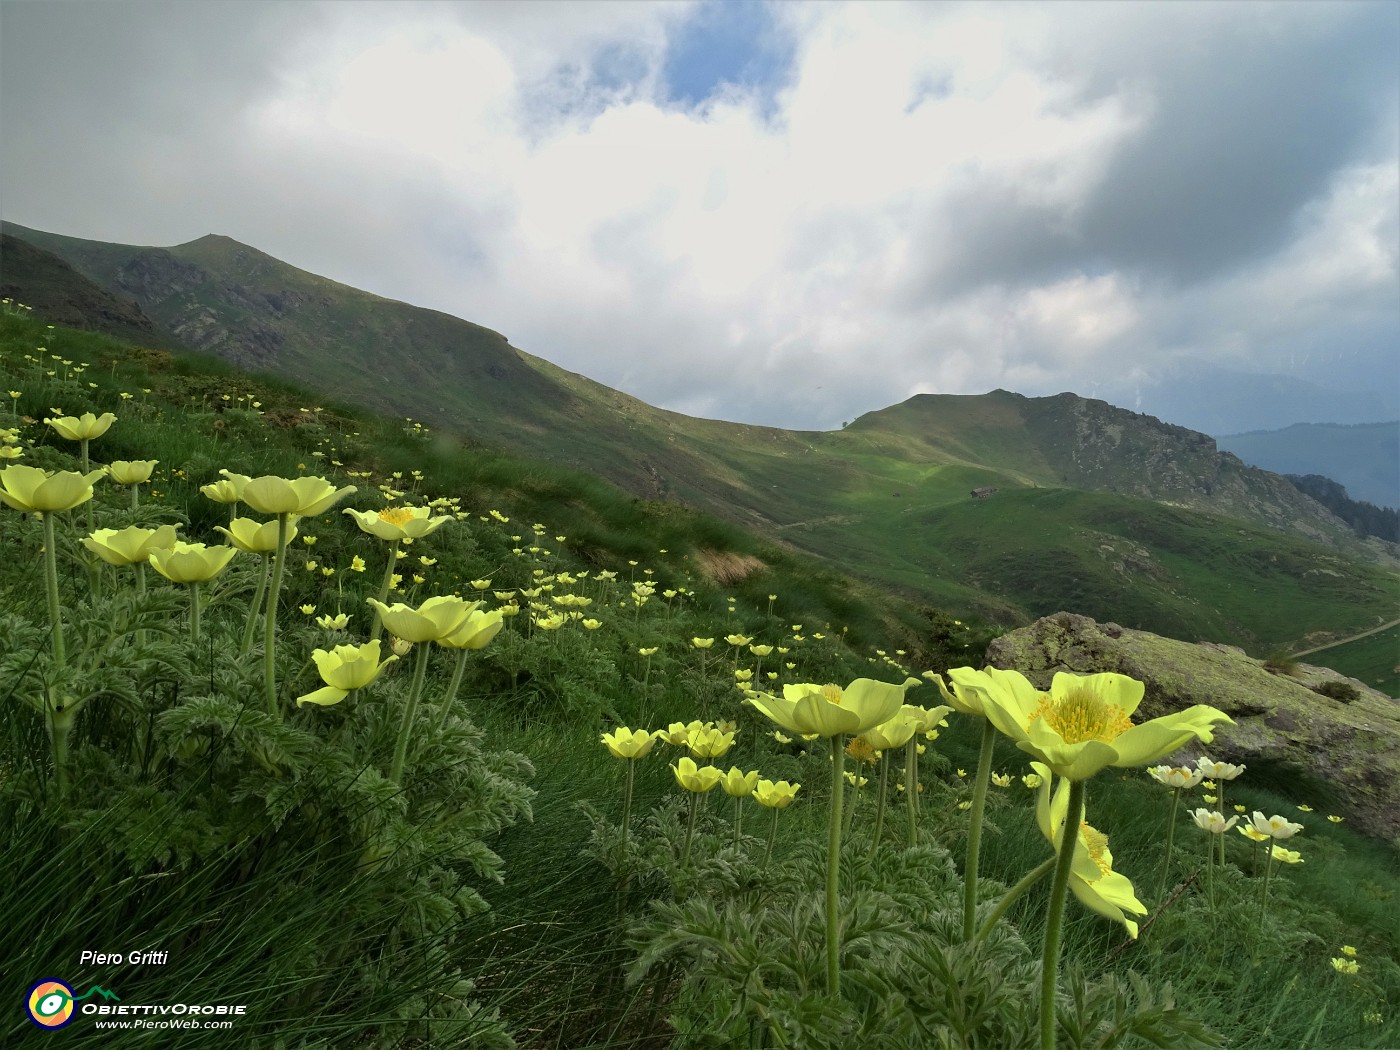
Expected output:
(1344, 641)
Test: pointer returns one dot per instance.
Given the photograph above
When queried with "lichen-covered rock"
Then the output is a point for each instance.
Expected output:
(1349, 740)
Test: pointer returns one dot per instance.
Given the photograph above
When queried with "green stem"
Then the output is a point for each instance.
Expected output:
(135, 497)
(194, 613)
(911, 789)
(1166, 857)
(974, 829)
(250, 624)
(1210, 869)
(1054, 920)
(270, 621)
(1268, 870)
(60, 652)
(690, 826)
(60, 724)
(1013, 894)
(377, 627)
(772, 834)
(833, 866)
(452, 688)
(880, 801)
(420, 671)
(738, 820)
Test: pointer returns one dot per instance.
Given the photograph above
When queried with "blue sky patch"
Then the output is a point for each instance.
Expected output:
(727, 42)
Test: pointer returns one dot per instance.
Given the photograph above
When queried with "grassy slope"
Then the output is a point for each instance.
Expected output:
(1374, 660)
(887, 497)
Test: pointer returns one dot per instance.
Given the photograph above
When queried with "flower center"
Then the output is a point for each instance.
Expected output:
(831, 694)
(1096, 843)
(1083, 715)
(396, 515)
(861, 751)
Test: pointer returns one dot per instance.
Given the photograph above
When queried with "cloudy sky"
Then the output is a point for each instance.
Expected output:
(781, 213)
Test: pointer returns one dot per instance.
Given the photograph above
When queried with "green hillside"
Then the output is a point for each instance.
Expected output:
(1092, 511)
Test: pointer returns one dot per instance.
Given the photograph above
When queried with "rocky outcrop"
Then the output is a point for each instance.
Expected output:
(1313, 726)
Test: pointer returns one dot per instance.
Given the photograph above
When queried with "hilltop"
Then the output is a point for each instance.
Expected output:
(1111, 513)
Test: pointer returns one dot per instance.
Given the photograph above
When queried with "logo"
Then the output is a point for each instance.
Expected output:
(50, 1002)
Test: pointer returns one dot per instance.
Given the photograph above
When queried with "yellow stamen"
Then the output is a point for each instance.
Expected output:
(396, 515)
(1083, 715)
(831, 694)
(1096, 843)
(861, 751)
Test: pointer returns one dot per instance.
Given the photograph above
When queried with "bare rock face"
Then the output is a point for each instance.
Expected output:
(1313, 723)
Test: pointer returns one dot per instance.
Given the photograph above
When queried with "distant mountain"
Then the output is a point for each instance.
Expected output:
(1214, 400)
(1108, 512)
(1364, 458)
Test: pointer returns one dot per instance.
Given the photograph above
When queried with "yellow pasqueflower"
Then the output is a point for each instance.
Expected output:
(698, 779)
(255, 537)
(1092, 878)
(344, 668)
(1286, 856)
(1212, 821)
(45, 491)
(1349, 951)
(129, 546)
(1084, 723)
(1218, 770)
(476, 631)
(84, 427)
(432, 621)
(760, 650)
(337, 622)
(737, 639)
(709, 742)
(396, 523)
(829, 710)
(227, 490)
(190, 562)
(1032, 780)
(738, 784)
(1252, 833)
(1275, 827)
(1175, 776)
(131, 471)
(1001, 780)
(629, 743)
(775, 795)
(927, 719)
(893, 733)
(677, 733)
(1346, 965)
(304, 497)
(702, 643)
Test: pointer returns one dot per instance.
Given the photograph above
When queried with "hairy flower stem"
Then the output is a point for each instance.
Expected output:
(911, 789)
(738, 820)
(833, 866)
(270, 621)
(1014, 894)
(880, 801)
(1167, 856)
(60, 724)
(250, 624)
(1268, 870)
(772, 834)
(451, 697)
(135, 497)
(974, 829)
(1054, 920)
(420, 671)
(1210, 869)
(690, 827)
(60, 652)
(194, 613)
(377, 628)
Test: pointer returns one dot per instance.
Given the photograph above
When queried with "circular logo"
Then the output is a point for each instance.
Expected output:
(50, 1004)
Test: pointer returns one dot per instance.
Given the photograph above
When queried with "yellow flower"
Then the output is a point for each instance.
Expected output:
(482, 585)
(855, 781)
(432, 621)
(1092, 878)
(1305, 809)
(709, 742)
(1286, 856)
(775, 795)
(43, 491)
(760, 650)
(1274, 827)
(1215, 823)
(255, 537)
(861, 751)
(738, 784)
(1345, 965)
(892, 734)
(344, 668)
(928, 719)
(1218, 770)
(357, 564)
(592, 625)
(737, 639)
(1083, 724)
(647, 652)
(131, 471)
(1349, 951)
(398, 522)
(1001, 780)
(190, 562)
(627, 743)
(829, 710)
(697, 779)
(84, 427)
(308, 610)
(476, 630)
(333, 623)
(1252, 833)
(1032, 780)
(304, 497)
(227, 490)
(702, 643)
(129, 546)
(1334, 818)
